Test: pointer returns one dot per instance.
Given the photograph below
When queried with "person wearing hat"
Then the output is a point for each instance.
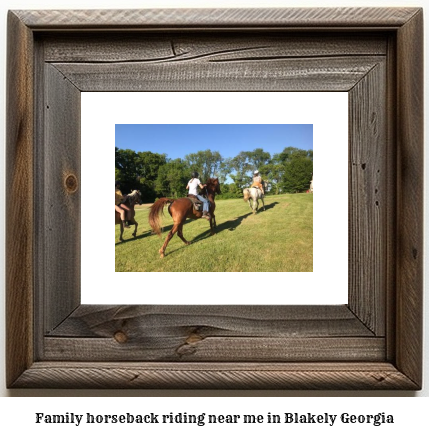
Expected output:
(257, 181)
(120, 207)
(192, 187)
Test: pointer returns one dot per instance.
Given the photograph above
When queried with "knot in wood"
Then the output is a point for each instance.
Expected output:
(120, 337)
(193, 338)
(71, 183)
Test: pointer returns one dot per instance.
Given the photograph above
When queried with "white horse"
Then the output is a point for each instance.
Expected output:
(255, 195)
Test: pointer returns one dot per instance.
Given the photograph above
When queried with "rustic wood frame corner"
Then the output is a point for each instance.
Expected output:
(373, 342)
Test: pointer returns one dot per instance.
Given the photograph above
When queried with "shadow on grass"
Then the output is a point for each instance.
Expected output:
(268, 206)
(130, 238)
(229, 225)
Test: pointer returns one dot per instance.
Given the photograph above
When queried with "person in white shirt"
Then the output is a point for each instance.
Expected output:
(192, 187)
(257, 181)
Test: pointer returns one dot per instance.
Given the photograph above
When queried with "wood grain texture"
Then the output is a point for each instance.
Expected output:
(391, 192)
(249, 376)
(330, 74)
(189, 347)
(39, 152)
(207, 18)
(213, 333)
(368, 202)
(193, 348)
(19, 188)
(61, 207)
(170, 46)
(409, 277)
(99, 321)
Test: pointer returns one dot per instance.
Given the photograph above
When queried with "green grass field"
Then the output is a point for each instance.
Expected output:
(277, 239)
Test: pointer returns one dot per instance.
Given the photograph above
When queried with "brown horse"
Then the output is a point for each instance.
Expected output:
(131, 200)
(180, 209)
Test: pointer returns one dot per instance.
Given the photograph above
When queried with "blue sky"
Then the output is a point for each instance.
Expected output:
(178, 140)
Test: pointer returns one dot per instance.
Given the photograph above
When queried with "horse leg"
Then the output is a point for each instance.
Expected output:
(121, 239)
(263, 204)
(167, 239)
(255, 206)
(135, 229)
(250, 204)
(180, 234)
(212, 224)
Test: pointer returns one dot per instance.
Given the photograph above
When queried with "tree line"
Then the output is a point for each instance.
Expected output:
(155, 175)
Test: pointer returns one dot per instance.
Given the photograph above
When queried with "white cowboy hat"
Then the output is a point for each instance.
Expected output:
(256, 172)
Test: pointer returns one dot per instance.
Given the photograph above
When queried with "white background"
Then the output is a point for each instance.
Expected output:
(18, 413)
(327, 111)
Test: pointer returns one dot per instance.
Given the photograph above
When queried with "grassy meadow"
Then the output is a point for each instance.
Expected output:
(277, 239)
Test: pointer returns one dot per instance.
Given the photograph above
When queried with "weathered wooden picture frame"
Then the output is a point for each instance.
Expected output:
(373, 342)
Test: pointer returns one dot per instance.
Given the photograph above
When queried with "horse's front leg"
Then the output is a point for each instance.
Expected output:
(135, 228)
(263, 204)
(250, 204)
(121, 226)
(212, 225)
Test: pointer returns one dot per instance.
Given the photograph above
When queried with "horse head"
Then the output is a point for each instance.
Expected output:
(136, 197)
(139, 197)
(213, 185)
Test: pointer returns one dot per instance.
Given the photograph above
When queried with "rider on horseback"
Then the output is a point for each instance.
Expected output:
(257, 181)
(120, 207)
(192, 186)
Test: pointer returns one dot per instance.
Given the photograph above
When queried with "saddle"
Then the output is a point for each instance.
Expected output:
(198, 205)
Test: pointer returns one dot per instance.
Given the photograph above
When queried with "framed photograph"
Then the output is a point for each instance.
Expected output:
(57, 59)
(153, 127)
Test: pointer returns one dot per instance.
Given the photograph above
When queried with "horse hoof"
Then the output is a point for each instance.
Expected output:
(162, 256)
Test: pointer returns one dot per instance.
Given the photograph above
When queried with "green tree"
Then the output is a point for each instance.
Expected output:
(243, 167)
(224, 170)
(297, 175)
(207, 163)
(245, 163)
(118, 174)
(172, 179)
(272, 173)
(230, 190)
(148, 164)
(138, 170)
(126, 163)
(258, 158)
(290, 153)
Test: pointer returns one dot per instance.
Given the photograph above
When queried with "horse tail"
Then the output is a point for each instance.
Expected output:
(246, 193)
(155, 214)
